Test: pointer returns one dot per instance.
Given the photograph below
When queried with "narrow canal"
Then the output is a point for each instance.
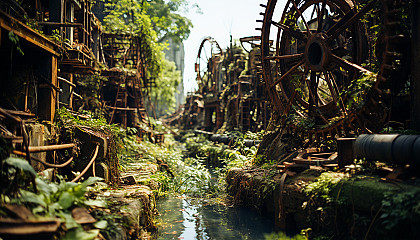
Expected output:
(195, 211)
(195, 218)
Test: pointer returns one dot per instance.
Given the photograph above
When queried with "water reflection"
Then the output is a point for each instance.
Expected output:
(186, 218)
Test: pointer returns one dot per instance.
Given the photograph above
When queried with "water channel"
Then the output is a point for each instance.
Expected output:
(203, 219)
(200, 218)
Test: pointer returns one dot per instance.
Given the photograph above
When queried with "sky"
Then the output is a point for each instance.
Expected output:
(219, 19)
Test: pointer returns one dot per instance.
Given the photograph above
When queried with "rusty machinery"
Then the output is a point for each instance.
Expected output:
(233, 97)
(209, 57)
(336, 66)
(210, 82)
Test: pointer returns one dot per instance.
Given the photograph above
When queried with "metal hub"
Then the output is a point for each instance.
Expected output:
(316, 52)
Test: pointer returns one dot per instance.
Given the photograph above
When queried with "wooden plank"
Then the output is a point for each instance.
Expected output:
(67, 81)
(26, 33)
(124, 109)
(54, 94)
(20, 113)
(56, 24)
(71, 91)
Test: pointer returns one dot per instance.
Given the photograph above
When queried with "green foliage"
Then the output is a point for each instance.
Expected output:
(191, 176)
(80, 234)
(15, 173)
(399, 130)
(163, 96)
(89, 87)
(67, 122)
(283, 236)
(21, 164)
(108, 223)
(400, 209)
(355, 95)
(15, 40)
(321, 188)
(55, 35)
(56, 199)
(128, 17)
(167, 20)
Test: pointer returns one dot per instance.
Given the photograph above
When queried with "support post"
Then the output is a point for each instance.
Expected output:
(415, 70)
(53, 94)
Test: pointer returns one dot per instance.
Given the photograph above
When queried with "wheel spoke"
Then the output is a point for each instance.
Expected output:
(288, 73)
(321, 16)
(330, 87)
(205, 53)
(348, 19)
(312, 96)
(282, 57)
(314, 88)
(292, 98)
(334, 83)
(340, 51)
(308, 32)
(346, 63)
(296, 34)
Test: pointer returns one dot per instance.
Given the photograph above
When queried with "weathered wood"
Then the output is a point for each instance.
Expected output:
(56, 24)
(54, 94)
(124, 109)
(26, 33)
(20, 113)
(66, 81)
(25, 227)
(82, 216)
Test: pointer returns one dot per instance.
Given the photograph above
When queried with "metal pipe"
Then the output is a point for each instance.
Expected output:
(88, 166)
(43, 162)
(34, 149)
(66, 81)
(392, 148)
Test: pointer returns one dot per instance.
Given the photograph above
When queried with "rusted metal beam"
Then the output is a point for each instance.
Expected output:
(56, 24)
(35, 149)
(124, 109)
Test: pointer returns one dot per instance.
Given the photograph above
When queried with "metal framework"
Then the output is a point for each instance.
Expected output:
(322, 75)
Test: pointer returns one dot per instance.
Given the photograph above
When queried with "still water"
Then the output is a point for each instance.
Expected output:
(198, 219)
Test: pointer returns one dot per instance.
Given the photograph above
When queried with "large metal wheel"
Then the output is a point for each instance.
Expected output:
(328, 72)
(208, 57)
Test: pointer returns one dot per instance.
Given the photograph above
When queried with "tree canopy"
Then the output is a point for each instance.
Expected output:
(153, 22)
(167, 19)
(163, 95)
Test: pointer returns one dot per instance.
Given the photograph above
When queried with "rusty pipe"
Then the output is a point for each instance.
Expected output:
(89, 164)
(34, 149)
(392, 148)
(19, 153)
